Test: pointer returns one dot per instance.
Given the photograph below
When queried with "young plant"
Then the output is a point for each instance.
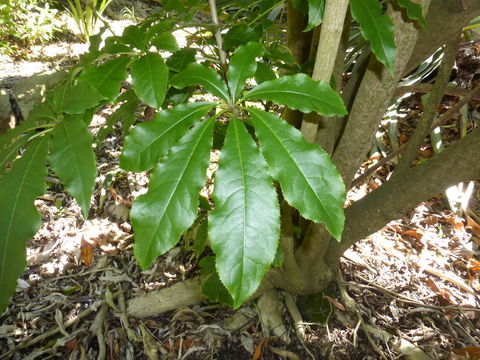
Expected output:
(86, 16)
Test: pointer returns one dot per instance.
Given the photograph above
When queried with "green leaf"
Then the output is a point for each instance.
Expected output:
(309, 180)
(315, 13)
(200, 239)
(19, 219)
(169, 207)
(242, 66)
(106, 78)
(73, 160)
(300, 92)
(239, 35)
(80, 97)
(244, 226)
(196, 74)
(414, 11)
(212, 286)
(8, 154)
(133, 36)
(264, 73)
(300, 5)
(148, 142)
(377, 28)
(125, 113)
(149, 79)
(180, 59)
(165, 41)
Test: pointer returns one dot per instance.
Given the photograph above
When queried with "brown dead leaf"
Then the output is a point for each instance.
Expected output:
(474, 265)
(86, 252)
(426, 153)
(445, 297)
(417, 234)
(72, 344)
(403, 138)
(335, 303)
(456, 222)
(473, 226)
(258, 350)
(468, 352)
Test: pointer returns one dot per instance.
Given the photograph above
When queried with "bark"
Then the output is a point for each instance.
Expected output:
(367, 111)
(457, 163)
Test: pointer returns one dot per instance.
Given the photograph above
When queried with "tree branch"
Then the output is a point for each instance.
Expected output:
(430, 109)
(404, 192)
(367, 111)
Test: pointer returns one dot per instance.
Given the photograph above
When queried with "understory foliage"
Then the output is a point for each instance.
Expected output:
(204, 105)
(23, 23)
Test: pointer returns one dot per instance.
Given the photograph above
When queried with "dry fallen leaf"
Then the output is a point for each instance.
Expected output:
(444, 295)
(185, 344)
(456, 222)
(335, 303)
(468, 353)
(86, 252)
(473, 226)
(258, 350)
(474, 265)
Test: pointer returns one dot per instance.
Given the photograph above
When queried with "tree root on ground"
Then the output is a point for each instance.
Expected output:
(182, 294)
(270, 308)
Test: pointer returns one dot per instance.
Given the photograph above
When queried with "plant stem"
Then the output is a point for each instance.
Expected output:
(330, 36)
(218, 34)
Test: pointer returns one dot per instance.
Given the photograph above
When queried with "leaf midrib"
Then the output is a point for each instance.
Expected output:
(306, 179)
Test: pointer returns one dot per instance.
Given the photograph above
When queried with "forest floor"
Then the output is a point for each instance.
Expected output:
(414, 284)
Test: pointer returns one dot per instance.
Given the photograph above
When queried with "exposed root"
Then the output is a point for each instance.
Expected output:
(269, 309)
(182, 294)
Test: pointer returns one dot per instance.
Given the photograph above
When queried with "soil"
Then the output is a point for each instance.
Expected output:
(409, 291)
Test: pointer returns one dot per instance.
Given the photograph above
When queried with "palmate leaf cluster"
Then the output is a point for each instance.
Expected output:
(263, 159)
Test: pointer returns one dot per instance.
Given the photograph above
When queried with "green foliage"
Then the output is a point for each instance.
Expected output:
(315, 13)
(377, 28)
(19, 218)
(86, 15)
(414, 11)
(24, 23)
(257, 149)
(246, 210)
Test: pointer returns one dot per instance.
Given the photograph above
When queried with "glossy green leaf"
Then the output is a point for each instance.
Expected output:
(165, 41)
(414, 11)
(196, 74)
(80, 97)
(106, 78)
(169, 207)
(212, 286)
(244, 226)
(315, 13)
(309, 180)
(239, 35)
(150, 79)
(242, 66)
(264, 73)
(148, 142)
(19, 218)
(73, 160)
(180, 59)
(300, 92)
(377, 28)
(133, 36)
(300, 5)
(8, 154)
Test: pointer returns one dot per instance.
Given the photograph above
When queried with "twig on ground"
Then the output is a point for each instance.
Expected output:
(91, 309)
(97, 329)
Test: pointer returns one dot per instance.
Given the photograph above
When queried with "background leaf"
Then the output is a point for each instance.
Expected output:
(300, 92)
(264, 73)
(80, 97)
(180, 59)
(73, 160)
(414, 11)
(149, 79)
(169, 207)
(148, 142)
(315, 13)
(242, 66)
(239, 35)
(244, 226)
(309, 180)
(196, 74)
(165, 41)
(106, 78)
(19, 219)
(377, 28)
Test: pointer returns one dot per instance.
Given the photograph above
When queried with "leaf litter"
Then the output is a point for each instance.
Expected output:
(414, 286)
